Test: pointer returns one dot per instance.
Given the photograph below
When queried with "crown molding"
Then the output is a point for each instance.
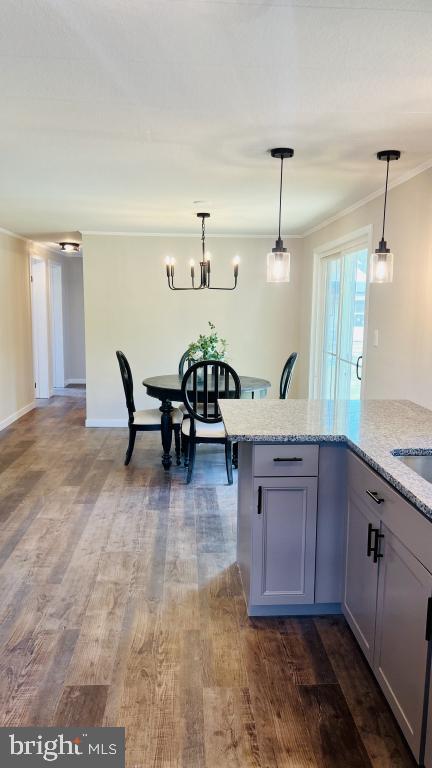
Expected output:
(102, 233)
(12, 234)
(364, 200)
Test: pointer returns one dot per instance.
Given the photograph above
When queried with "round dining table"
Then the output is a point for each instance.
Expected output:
(167, 389)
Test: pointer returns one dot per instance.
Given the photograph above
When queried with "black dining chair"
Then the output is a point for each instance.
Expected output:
(205, 383)
(287, 375)
(144, 421)
(185, 360)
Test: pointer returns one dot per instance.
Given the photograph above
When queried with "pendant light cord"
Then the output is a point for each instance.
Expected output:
(385, 198)
(280, 195)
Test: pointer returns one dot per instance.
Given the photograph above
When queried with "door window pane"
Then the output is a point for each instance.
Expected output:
(332, 300)
(344, 318)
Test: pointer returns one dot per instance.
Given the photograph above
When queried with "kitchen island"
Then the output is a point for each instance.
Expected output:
(331, 519)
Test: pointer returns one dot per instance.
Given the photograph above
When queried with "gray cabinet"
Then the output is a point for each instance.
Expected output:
(284, 540)
(400, 658)
(386, 599)
(361, 573)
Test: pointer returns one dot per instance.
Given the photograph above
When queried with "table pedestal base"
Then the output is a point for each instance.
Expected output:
(166, 430)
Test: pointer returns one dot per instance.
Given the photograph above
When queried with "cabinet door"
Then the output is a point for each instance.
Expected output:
(401, 648)
(361, 573)
(283, 540)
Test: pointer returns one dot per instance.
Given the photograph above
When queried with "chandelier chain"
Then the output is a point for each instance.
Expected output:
(203, 236)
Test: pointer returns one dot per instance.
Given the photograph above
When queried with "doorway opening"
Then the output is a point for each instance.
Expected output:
(337, 360)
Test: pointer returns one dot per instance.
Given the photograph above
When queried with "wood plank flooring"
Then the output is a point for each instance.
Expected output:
(120, 604)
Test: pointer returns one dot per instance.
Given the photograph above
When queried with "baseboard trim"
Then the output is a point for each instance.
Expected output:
(106, 422)
(315, 609)
(74, 381)
(17, 415)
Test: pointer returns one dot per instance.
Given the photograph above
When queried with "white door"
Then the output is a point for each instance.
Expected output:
(40, 327)
(57, 324)
(342, 311)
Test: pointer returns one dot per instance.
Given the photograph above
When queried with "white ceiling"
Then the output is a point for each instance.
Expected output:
(117, 114)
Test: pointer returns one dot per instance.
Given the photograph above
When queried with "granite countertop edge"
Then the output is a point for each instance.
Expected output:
(343, 440)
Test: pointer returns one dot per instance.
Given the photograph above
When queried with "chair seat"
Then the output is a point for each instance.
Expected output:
(215, 430)
(152, 417)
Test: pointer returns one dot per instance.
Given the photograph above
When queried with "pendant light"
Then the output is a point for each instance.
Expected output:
(278, 261)
(381, 270)
(204, 267)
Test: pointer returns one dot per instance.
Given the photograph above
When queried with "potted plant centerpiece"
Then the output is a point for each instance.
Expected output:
(207, 346)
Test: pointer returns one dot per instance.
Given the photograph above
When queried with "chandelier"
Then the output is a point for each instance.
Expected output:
(204, 268)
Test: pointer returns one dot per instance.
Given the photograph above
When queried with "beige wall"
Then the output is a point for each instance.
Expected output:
(73, 318)
(16, 364)
(401, 366)
(128, 306)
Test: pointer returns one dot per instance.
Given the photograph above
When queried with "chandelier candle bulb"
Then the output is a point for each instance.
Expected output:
(236, 262)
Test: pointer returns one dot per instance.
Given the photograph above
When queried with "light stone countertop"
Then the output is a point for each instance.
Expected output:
(371, 428)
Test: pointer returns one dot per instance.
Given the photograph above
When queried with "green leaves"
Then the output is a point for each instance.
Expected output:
(208, 347)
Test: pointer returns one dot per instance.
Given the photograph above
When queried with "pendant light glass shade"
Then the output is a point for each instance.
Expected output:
(381, 266)
(278, 266)
(279, 259)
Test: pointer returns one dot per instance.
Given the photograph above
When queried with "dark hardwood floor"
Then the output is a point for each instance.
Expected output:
(121, 605)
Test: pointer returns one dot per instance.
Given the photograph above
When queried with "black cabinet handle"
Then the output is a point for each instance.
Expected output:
(374, 495)
(376, 553)
(371, 530)
(429, 620)
(290, 458)
(259, 508)
(360, 357)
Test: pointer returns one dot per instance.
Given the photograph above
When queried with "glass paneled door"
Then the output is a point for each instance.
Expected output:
(343, 305)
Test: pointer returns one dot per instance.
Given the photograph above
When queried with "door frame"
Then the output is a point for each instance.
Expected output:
(363, 237)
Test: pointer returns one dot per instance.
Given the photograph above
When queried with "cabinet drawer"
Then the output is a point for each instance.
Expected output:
(285, 460)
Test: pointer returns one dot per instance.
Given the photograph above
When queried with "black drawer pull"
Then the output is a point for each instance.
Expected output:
(374, 495)
(259, 505)
(289, 458)
(376, 552)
